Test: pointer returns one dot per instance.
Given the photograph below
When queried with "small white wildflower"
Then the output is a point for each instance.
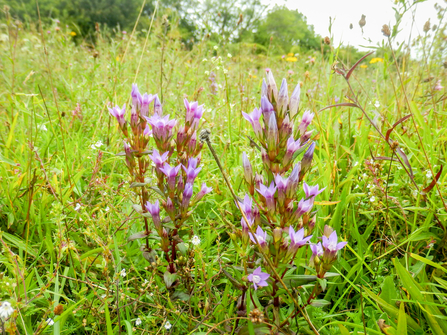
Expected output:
(145, 282)
(195, 240)
(428, 174)
(415, 193)
(103, 296)
(217, 67)
(204, 60)
(229, 55)
(42, 127)
(168, 324)
(356, 163)
(50, 322)
(138, 322)
(373, 198)
(97, 145)
(107, 209)
(364, 175)
(368, 186)
(123, 273)
(225, 71)
(207, 73)
(216, 47)
(78, 207)
(377, 104)
(6, 310)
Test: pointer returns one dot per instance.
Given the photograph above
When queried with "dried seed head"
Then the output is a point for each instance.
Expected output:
(351, 26)
(386, 30)
(445, 65)
(427, 26)
(327, 40)
(256, 316)
(362, 21)
(58, 310)
(204, 135)
(394, 145)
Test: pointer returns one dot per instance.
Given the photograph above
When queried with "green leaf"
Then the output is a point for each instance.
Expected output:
(343, 330)
(402, 320)
(137, 236)
(169, 278)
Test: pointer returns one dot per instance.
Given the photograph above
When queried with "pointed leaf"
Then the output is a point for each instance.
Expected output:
(402, 320)
(137, 208)
(356, 64)
(137, 236)
(395, 125)
(169, 278)
(406, 161)
(433, 183)
(343, 104)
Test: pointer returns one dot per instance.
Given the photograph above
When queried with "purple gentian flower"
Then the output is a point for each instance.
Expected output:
(119, 114)
(258, 278)
(292, 147)
(171, 173)
(331, 246)
(253, 118)
(246, 206)
(192, 142)
(154, 210)
(294, 179)
(191, 171)
(190, 110)
(187, 194)
(145, 102)
(157, 159)
(272, 133)
(157, 106)
(438, 86)
(281, 184)
(248, 170)
(294, 101)
(266, 108)
(197, 115)
(203, 191)
(283, 98)
(161, 126)
(317, 251)
(261, 236)
(269, 194)
(312, 191)
(264, 88)
(136, 96)
(306, 121)
(297, 239)
(304, 206)
(307, 159)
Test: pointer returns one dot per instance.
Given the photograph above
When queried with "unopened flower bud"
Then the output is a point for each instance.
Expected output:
(248, 170)
(306, 162)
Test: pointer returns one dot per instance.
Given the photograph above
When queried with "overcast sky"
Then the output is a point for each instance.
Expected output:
(378, 13)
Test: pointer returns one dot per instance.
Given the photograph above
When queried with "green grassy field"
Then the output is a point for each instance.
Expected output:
(66, 205)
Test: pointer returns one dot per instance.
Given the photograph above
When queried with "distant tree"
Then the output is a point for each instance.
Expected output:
(288, 28)
(229, 20)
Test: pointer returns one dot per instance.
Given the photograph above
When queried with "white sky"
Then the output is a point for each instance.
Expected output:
(378, 13)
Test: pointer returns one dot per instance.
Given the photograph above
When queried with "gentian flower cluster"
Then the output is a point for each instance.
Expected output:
(175, 160)
(279, 203)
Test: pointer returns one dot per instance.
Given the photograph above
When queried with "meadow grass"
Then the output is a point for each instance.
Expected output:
(66, 206)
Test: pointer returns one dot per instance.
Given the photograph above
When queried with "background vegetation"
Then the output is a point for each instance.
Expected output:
(66, 206)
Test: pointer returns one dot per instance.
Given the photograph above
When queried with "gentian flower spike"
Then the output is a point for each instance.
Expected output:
(187, 194)
(247, 205)
(258, 278)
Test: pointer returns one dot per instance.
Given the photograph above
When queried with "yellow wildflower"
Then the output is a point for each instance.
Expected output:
(290, 54)
(117, 58)
(291, 59)
(363, 66)
(375, 60)
(73, 33)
